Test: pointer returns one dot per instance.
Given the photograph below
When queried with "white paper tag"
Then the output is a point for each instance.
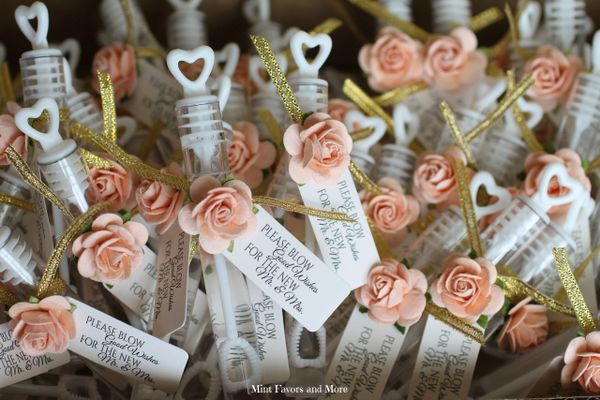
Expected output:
(198, 320)
(124, 349)
(346, 247)
(445, 363)
(170, 298)
(364, 358)
(282, 267)
(154, 97)
(18, 366)
(137, 291)
(270, 337)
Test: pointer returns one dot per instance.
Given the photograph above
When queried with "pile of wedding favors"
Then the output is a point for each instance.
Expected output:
(187, 222)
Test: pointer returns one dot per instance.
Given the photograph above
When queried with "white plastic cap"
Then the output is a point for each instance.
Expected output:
(406, 124)
(263, 81)
(185, 4)
(354, 118)
(486, 180)
(297, 43)
(48, 140)
(39, 37)
(197, 87)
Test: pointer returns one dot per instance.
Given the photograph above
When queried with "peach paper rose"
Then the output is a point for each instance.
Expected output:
(582, 363)
(248, 156)
(44, 327)
(467, 287)
(338, 108)
(525, 328)
(119, 61)
(434, 181)
(392, 61)
(219, 214)
(453, 62)
(158, 203)
(114, 184)
(535, 164)
(392, 211)
(554, 75)
(10, 135)
(111, 250)
(393, 293)
(319, 149)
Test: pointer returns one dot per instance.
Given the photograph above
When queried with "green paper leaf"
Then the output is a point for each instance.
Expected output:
(306, 115)
(405, 262)
(230, 248)
(521, 176)
(125, 215)
(228, 177)
(473, 254)
(108, 285)
(255, 210)
(401, 328)
(483, 321)
(208, 270)
(363, 309)
(431, 206)
(505, 307)
(585, 164)
(550, 148)
(428, 297)
(33, 300)
(73, 308)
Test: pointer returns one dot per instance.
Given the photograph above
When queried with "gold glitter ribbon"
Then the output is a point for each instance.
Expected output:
(129, 20)
(48, 280)
(367, 104)
(7, 297)
(561, 295)
(17, 202)
(457, 135)
(93, 160)
(363, 180)
(103, 143)
(400, 94)
(34, 181)
(150, 140)
(109, 116)
(269, 121)
(194, 247)
(147, 52)
(382, 13)
(40, 122)
(514, 31)
(516, 290)
(582, 311)
(277, 78)
(7, 91)
(360, 134)
(452, 320)
(301, 209)
(382, 248)
(526, 133)
(466, 205)
(485, 19)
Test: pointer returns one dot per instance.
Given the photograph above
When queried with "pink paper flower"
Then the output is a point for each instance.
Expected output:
(453, 62)
(114, 184)
(526, 327)
(44, 327)
(554, 75)
(393, 293)
(119, 61)
(338, 108)
(219, 214)
(582, 363)
(392, 211)
(248, 156)
(111, 250)
(434, 181)
(392, 61)
(319, 149)
(535, 164)
(10, 135)
(158, 203)
(467, 287)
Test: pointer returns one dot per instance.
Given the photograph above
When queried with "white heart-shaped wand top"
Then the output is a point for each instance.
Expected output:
(406, 124)
(185, 4)
(257, 11)
(297, 43)
(38, 10)
(530, 20)
(71, 49)
(544, 180)
(356, 120)
(223, 87)
(49, 139)
(197, 87)
(229, 55)
(486, 180)
(263, 80)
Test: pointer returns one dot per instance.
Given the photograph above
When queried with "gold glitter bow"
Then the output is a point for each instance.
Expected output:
(452, 320)
(18, 202)
(382, 13)
(7, 297)
(466, 205)
(269, 121)
(578, 272)
(367, 104)
(34, 181)
(7, 92)
(400, 94)
(301, 209)
(363, 180)
(526, 133)
(485, 19)
(93, 160)
(582, 311)
(74, 230)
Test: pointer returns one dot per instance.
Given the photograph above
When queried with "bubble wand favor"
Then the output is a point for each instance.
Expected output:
(360, 149)
(185, 26)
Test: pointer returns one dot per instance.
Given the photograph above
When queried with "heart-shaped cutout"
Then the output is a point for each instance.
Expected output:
(71, 49)
(24, 14)
(47, 139)
(485, 180)
(259, 75)
(544, 182)
(185, 4)
(357, 120)
(297, 43)
(530, 20)
(406, 124)
(198, 86)
(228, 57)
